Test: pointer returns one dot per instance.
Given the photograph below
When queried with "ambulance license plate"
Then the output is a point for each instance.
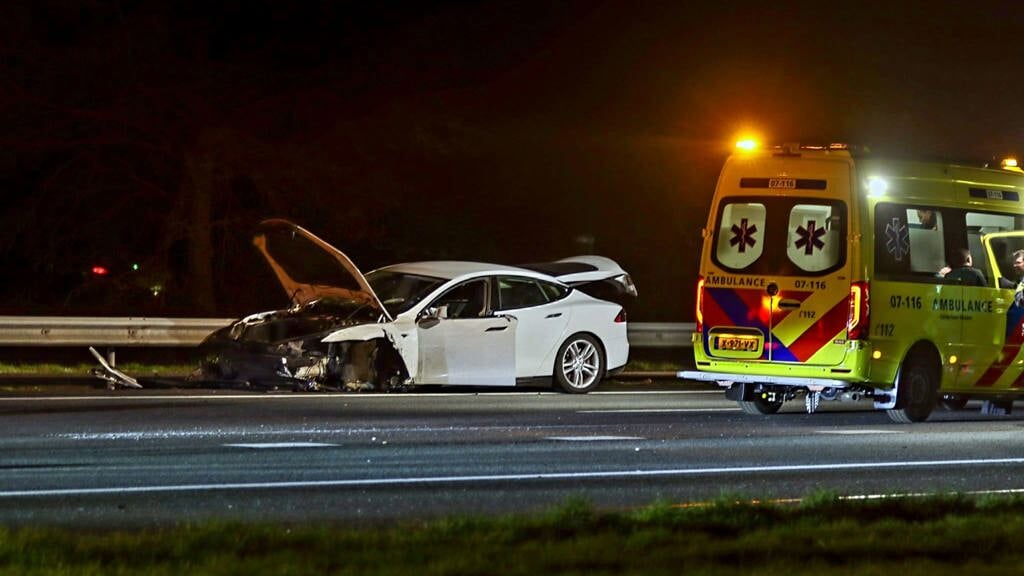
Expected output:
(738, 343)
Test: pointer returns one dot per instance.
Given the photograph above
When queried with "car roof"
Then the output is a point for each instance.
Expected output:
(451, 269)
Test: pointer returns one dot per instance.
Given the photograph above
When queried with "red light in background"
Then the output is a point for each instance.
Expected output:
(100, 270)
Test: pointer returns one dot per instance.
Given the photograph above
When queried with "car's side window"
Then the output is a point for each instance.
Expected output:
(516, 292)
(466, 300)
(553, 291)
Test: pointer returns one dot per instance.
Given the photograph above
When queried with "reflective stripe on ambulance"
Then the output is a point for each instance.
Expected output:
(1008, 361)
(792, 336)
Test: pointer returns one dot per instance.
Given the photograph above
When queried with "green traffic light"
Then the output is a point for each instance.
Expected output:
(135, 267)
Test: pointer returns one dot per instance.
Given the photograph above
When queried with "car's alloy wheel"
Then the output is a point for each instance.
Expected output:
(580, 364)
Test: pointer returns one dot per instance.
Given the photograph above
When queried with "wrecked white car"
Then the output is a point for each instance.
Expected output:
(425, 323)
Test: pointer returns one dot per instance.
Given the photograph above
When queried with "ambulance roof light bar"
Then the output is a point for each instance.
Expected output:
(1010, 164)
(749, 144)
(823, 146)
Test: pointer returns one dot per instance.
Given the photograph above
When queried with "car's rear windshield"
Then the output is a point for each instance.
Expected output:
(787, 236)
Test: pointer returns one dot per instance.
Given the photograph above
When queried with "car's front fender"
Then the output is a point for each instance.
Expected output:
(361, 333)
(406, 349)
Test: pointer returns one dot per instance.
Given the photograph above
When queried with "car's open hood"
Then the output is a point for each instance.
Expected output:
(309, 268)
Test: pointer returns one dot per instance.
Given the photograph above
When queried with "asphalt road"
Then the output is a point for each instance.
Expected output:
(126, 459)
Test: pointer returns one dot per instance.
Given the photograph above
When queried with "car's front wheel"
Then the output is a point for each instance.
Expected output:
(579, 365)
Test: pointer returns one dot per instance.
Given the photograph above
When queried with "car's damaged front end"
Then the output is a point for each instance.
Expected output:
(287, 347)
(329, 295)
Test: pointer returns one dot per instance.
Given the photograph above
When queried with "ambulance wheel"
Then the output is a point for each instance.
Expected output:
(953, 402)
(760, 406)
(918, 390)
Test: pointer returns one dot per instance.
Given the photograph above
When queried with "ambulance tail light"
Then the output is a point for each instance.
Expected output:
(699, 328)
(860, 308)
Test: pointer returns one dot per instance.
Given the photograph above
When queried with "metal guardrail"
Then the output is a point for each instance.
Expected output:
(661, 334)
(85, 331)
(183, 332)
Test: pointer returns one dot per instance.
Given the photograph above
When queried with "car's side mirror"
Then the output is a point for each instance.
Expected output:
(431, 316)
(435, 312)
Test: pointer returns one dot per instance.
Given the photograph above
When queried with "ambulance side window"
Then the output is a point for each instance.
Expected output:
(909, 243)
(927, 244)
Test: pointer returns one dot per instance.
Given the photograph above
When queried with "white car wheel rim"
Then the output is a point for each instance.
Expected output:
(580, 364)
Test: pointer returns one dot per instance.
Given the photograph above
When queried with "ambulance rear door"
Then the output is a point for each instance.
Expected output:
(777, 277)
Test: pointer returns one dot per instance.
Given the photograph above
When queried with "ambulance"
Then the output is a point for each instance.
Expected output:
(828, 273)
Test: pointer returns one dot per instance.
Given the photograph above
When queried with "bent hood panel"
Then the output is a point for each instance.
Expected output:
(309, 268)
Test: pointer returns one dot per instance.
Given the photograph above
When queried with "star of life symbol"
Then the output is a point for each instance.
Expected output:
(810, 238)
(897, 239)
(743, 235)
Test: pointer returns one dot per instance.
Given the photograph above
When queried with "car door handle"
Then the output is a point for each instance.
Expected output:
(555, 315)
(496, 328)
(789, 304)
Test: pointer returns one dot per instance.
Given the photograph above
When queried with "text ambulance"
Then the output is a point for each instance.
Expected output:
(835, 275)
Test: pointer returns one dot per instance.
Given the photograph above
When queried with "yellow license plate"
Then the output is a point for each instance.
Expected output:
(738, 343)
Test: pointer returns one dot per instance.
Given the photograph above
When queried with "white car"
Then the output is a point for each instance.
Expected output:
(426, 323)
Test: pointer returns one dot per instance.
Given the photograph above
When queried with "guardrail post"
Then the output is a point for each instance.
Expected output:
(111, 357)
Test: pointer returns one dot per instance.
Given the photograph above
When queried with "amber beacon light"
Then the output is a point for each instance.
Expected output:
(747, 144)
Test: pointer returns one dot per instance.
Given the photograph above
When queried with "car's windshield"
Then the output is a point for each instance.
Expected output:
(398, 291)
(346, 308)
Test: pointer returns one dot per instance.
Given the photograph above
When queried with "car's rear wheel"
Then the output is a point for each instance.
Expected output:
(579, 365)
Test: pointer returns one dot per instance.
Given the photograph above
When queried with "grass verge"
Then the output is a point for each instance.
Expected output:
(824, 535)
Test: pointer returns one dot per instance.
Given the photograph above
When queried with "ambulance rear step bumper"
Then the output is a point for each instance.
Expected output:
(726, 380)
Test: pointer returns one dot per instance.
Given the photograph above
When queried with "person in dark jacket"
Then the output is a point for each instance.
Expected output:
(963, 270)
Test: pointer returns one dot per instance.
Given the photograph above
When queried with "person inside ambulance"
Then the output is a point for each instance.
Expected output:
(927, 219)
(962, 270)
(1018, 268)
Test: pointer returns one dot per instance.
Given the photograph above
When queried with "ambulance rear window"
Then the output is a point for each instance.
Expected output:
(781, 236)
(740, 234)
(814, 244)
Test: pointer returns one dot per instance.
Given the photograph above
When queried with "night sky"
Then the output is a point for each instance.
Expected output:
(159, 134)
